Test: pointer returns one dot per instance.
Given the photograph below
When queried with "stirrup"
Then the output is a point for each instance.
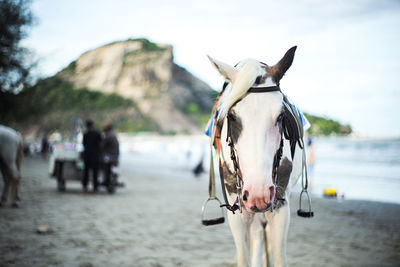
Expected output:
(212, 221)
(304, 213)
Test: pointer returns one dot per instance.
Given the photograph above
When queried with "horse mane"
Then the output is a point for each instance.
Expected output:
(247, 72)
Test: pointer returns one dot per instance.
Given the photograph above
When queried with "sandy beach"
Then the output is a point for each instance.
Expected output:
(155, 221)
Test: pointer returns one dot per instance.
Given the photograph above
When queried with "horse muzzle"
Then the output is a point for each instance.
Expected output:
(268, 207)
(258, 199)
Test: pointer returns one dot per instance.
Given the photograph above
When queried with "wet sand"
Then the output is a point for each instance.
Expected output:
(155, 221)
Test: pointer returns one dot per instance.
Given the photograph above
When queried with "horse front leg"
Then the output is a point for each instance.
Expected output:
(277, 230)
(14, 183)
(257, 232)
(240, 228)
(4, 194)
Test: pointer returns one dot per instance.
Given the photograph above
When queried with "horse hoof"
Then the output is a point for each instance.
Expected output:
(14, 205)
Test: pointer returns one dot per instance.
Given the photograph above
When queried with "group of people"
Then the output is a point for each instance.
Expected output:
(99, 149)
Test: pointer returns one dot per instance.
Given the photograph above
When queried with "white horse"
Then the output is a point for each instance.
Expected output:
(258, 169)
(11, 155)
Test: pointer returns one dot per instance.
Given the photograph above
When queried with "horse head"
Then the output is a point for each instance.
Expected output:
(255, 125)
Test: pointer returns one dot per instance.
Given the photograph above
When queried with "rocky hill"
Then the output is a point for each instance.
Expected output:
(134, 84)
(145, 73)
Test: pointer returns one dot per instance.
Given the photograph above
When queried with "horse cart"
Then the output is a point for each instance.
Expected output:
(66, 164)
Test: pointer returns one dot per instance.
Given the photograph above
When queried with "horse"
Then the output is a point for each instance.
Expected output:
(260, 149)
(11, 155)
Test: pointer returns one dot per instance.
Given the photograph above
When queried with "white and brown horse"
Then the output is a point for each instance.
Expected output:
(258, 163)
(11, 155)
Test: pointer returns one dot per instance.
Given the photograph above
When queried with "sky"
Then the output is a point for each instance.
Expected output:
(346, 67)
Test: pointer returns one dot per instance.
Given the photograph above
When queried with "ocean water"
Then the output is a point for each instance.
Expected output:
(357, 169)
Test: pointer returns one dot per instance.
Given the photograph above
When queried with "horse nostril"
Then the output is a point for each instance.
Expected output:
(246, 195)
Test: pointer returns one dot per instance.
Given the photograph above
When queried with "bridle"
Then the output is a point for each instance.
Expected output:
(291, 129)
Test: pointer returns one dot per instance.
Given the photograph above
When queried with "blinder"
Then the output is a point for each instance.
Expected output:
(290, 127)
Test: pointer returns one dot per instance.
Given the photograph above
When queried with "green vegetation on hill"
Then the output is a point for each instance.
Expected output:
(70, 68)
(325, 126)
(55, 94)
(54, 103)
(148, 46)
(200, 116)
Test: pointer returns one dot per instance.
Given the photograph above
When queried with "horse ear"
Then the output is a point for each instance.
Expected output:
(278, 70)
(227, 71)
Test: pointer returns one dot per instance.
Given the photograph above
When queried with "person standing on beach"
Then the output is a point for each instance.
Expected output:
(111, 151)
(91, 155)
(45, 146)
(310, 162)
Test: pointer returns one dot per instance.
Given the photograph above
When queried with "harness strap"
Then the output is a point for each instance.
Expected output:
(214, 136)
(304, 183)
(236, 205)
(277, 160)
(211, 185)
(265, 89)
(230, 207)
(211, 188)
(212, 197)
